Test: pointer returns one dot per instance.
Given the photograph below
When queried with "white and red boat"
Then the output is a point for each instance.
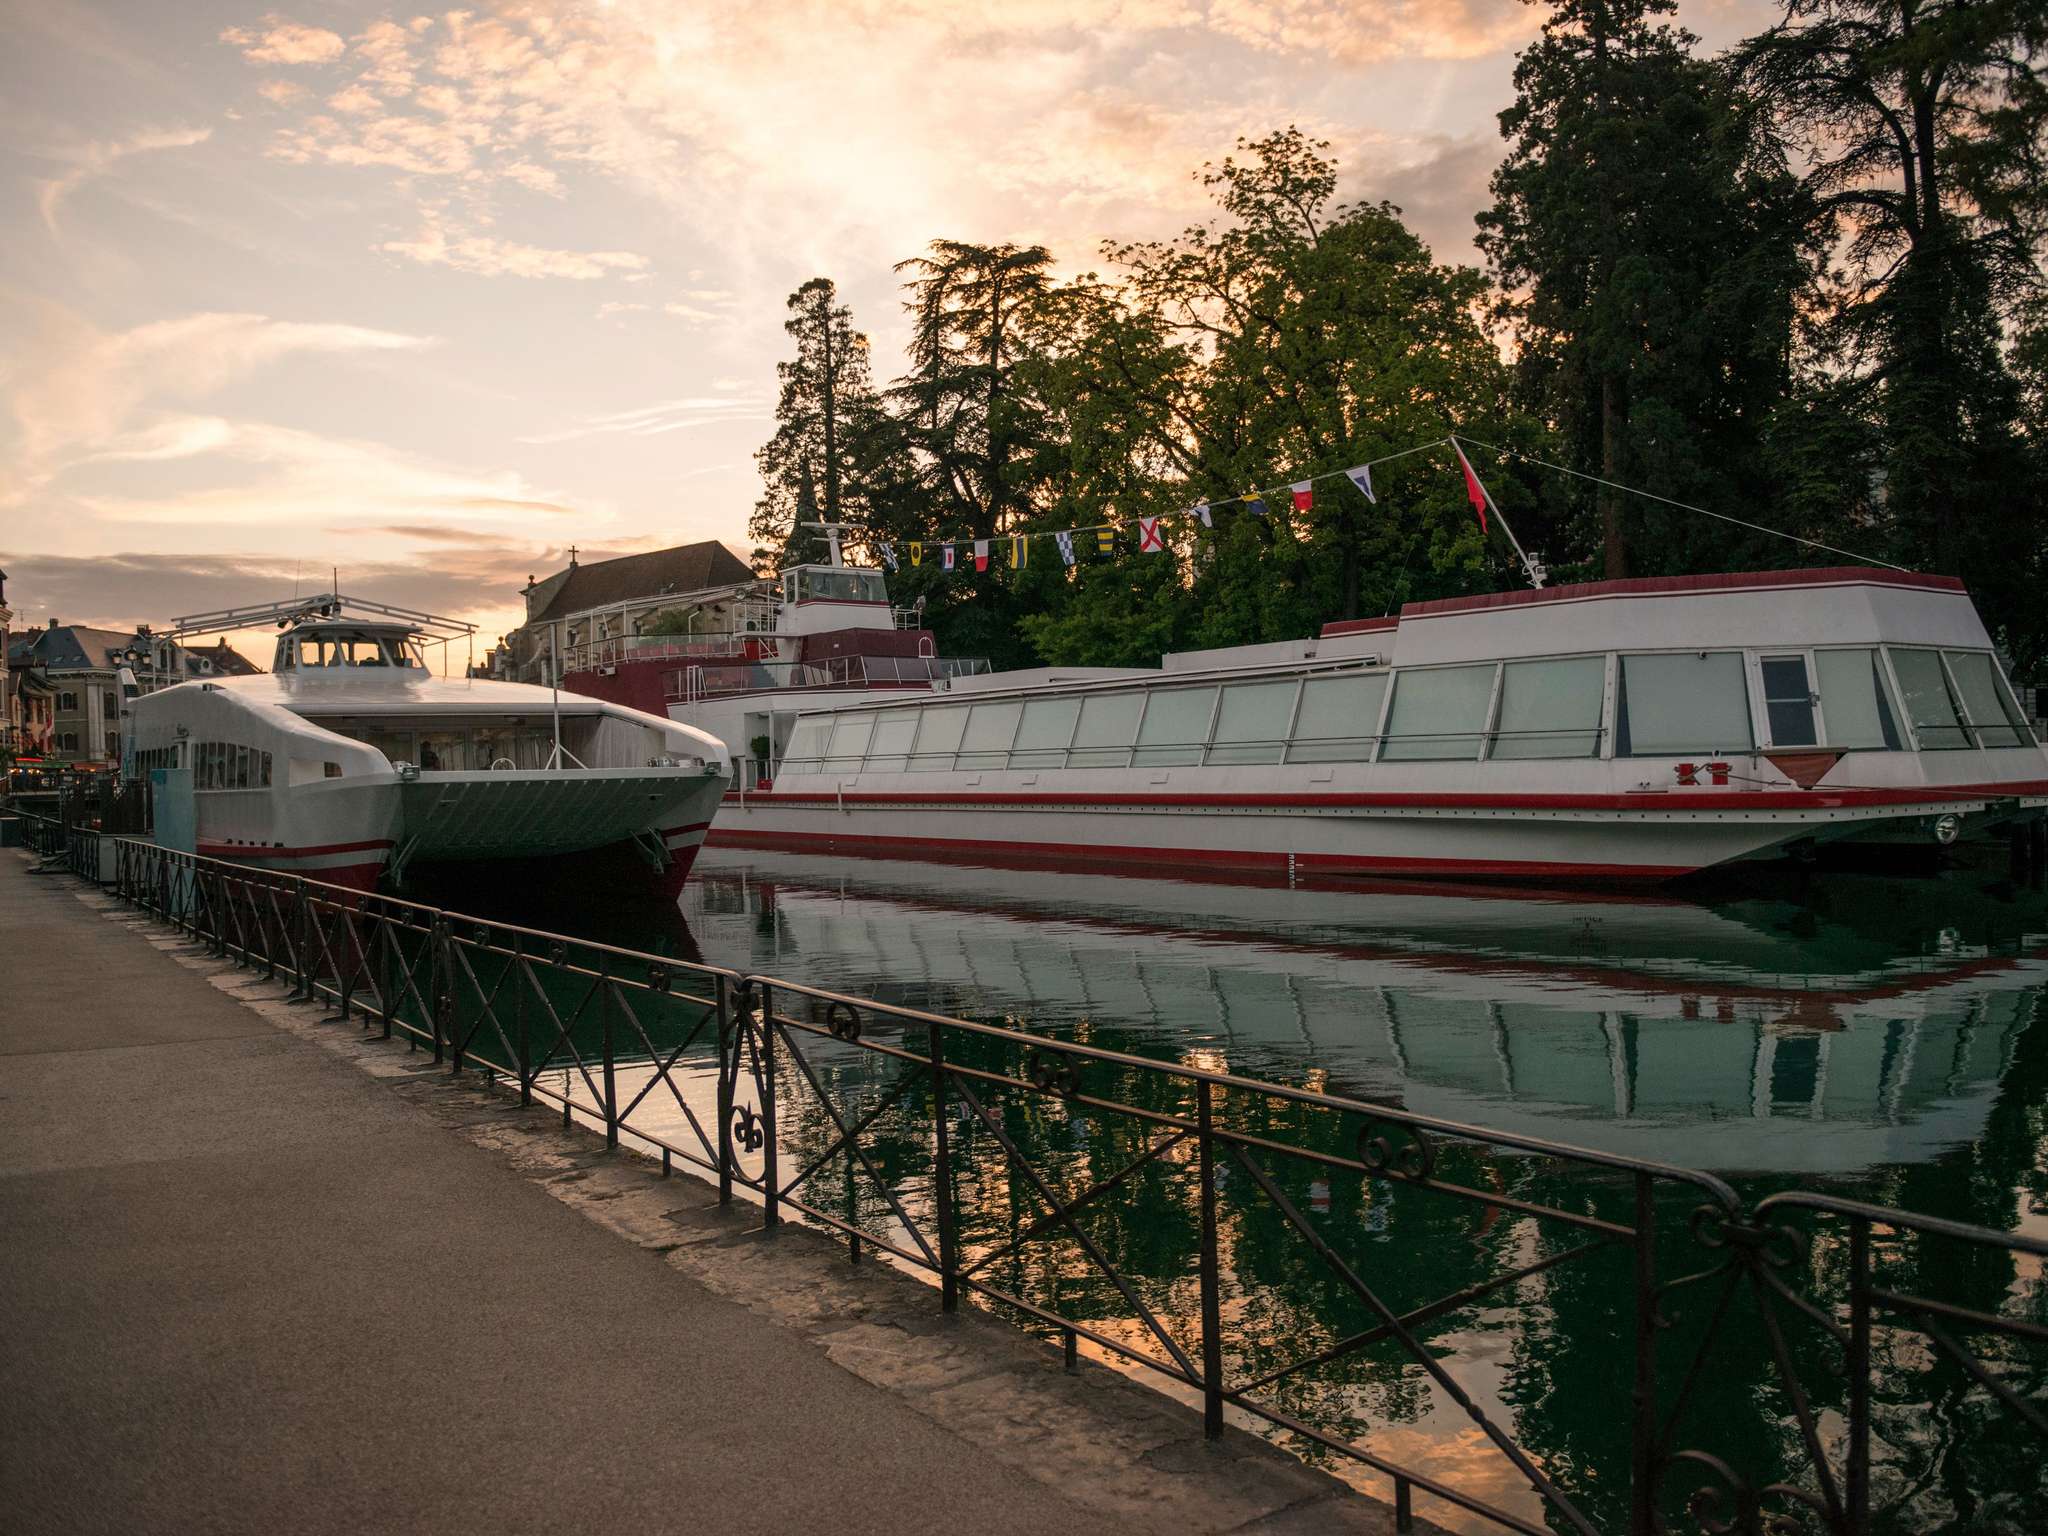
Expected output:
(1640, 729)
(351, 763)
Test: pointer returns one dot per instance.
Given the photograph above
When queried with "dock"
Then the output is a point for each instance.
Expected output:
(262, 1274)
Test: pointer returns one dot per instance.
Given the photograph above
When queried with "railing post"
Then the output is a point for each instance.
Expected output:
(387, 991)
(728, 1065)
(942, 1178)
(771, 1213)
(611, 1085)
(437, 962)
(519, 1020)
(1643, 1399)
(302, 943)
(1858, 1478)
(1212, 1301)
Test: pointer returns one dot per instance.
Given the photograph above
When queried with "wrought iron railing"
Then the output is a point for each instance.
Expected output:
(1760, 1366)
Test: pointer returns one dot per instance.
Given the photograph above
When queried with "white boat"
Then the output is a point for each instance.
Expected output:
(351, 763)
(1640, 729)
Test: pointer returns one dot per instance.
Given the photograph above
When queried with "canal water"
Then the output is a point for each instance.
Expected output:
(1871, 1037)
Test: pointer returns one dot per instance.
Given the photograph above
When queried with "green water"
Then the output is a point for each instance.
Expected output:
(1880, 1039)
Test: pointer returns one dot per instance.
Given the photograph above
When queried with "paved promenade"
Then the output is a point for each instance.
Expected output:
(250, 1283)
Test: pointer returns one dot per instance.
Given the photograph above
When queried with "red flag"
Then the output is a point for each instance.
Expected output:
(1473, 489)
(981, 554)
(1304, 495)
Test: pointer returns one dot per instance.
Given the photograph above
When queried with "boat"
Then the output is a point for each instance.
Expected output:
(352, 763)
(1633, 730)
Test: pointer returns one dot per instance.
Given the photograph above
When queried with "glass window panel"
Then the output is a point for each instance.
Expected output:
(1251, 724)
(889, 751)
(1856, 700)
(1684, 702)
(1438, 713)
(1042, 738)
(1788, 701)
(1108, 722)
(1992, 710)
(1338, 719)
(807, 744)
(1176, 722)
(990, 728)
(849, 742)
(938, 738)
(1550, 708)
(1929, 704)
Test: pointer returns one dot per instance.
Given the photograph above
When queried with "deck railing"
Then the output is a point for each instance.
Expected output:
(911, 1133)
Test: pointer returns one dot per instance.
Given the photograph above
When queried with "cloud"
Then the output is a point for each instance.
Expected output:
(285, 42)
(280, 93)
(435, 245)
(662, 417)
(97, 159)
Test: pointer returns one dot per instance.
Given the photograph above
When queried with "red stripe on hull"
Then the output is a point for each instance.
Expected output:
(258, 851)
(1242, 859)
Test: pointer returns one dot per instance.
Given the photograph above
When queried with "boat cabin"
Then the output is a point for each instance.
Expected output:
(322, 646)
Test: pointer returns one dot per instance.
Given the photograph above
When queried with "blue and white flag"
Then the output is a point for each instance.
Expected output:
(1362, 478)
(1066, 544)
(888, 552)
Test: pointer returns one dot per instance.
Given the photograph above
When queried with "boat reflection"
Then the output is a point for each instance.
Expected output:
(1749, 1035)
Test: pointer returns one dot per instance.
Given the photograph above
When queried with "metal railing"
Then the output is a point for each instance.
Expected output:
(1765, 1363)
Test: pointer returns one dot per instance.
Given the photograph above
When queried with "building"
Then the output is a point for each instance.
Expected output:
(583, 613)
(79, 668)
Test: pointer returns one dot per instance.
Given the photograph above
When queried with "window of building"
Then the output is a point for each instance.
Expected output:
(1686, 701)
(1251, 722)
(1174, 727)
(1102, 736)
(1550, 708)
(68, 702)
(1044, 732)
(889, 751)
(1856, 701)
(1438, 713)
(68, 742)
(1929, 703)
(938, 738)
(1339, 719)
(991, 727)
(1993, 712)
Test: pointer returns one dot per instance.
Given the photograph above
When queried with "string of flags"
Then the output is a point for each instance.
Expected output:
(1071, 543)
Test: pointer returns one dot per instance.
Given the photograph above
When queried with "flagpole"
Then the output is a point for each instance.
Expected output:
(1530, 568)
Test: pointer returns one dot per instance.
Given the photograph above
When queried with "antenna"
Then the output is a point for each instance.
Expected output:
(832, 531)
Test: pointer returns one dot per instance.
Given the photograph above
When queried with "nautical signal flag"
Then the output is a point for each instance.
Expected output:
(1020, 549)
(1065, 540)
(888, 555)
(1474, 491)
(916, 553)
(946, 557)
(1362, 478)
(981, 554)
(1105, 540)
(1150, 540)
(1304, 494)
(1253, 504)
(1201, 510)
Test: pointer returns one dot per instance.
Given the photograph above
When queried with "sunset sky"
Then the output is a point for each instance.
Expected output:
(431, 295)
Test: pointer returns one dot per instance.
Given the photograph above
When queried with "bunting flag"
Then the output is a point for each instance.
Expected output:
(1020, 549)
(1474, 491)
(1105, 540)
(916, 553)
(1253, 505)
(888, 555)
(981, 554)
(1362, 478)
(1066, 543)
(946, 556)
(1304, 494)
(1201, 510)
(1150, 540)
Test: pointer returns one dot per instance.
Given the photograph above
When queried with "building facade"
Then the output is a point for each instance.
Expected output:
(80, 673)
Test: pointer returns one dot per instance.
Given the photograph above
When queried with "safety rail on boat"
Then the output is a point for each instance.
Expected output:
(1827, 1319)
(714, 679)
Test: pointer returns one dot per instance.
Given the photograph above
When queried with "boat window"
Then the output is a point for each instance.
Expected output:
(1102, 739)
(807, 744)
(839, 585)
(1788, 701)
(849, 742)
(1251, 723)
(1175, 725)
(1047, 727)
(1856, 700)
(938, 738)
(1929, 704)
(1685, 701)
(889, 751)
(266, 770)
(990, 730)
(1438, 713)
(1993, 713)
(1550, 708)
(1339, 719)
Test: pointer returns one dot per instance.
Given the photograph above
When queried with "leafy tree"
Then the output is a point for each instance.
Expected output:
(1646, 238)
(826, 422)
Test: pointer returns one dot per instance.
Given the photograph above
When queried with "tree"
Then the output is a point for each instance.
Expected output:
(1645, 236)
(826, 419)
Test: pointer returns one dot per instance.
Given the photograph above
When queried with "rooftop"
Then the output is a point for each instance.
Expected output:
(657, 573)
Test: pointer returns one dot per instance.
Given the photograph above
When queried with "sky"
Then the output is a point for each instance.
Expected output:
(430, 296)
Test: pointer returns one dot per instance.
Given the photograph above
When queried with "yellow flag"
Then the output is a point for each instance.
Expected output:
(1020, 549)
(917, 554)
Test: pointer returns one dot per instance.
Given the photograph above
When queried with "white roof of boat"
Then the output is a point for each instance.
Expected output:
(366, 690)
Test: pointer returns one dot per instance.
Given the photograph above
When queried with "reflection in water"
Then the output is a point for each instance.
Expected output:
(1875, 1038)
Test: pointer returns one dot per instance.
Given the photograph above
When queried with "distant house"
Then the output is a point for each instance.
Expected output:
(80, 667)
(583, 609)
